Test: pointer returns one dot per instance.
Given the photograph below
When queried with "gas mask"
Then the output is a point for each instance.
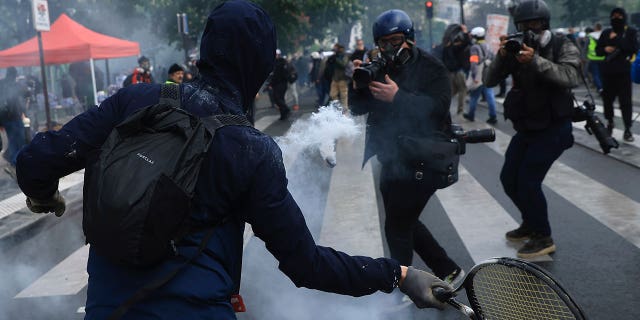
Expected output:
(543, 38)
(396, 55)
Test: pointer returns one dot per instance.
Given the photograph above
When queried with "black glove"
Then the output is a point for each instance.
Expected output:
(54, 204)
(418, 286)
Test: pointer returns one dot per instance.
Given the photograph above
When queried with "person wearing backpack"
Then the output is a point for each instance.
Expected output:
(241, 180)
(544, 68)
(481, 57)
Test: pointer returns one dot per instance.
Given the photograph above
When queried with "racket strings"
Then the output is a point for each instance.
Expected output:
(508, 293)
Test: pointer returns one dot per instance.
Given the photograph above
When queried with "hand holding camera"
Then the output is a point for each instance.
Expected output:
(384, 91)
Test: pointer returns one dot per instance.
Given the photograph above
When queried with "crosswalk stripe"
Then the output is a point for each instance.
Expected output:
(589, 195)
(66, 278)
(351, 223)
(17, 202)
(479, 219)
(265, 122)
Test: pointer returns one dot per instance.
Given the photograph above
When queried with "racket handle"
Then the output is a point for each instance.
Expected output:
(442, 294)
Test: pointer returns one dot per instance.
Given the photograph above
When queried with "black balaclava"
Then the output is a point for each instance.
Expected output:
(618, 24)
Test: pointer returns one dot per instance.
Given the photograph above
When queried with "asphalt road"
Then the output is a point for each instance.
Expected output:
(593, 200)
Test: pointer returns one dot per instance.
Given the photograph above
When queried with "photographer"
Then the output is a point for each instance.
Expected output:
(544, 68)
(409, 95)
(618, 44)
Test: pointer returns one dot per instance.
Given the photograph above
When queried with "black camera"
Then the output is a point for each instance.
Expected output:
(515, 41)
(368, 72)
(472, 136)
(594, 126)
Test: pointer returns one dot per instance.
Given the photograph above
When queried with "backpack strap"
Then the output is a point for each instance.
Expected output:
(218, 121)
(170, 94)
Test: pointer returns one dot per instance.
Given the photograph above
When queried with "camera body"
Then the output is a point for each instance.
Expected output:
(515, 41)
(594, 126)
(368, 72)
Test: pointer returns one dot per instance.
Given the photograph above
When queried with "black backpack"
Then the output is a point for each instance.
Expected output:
(139, 185)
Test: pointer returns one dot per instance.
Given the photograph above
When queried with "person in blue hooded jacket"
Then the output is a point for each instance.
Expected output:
(245, 180)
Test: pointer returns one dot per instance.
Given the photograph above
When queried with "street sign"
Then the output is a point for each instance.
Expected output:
(40, 12)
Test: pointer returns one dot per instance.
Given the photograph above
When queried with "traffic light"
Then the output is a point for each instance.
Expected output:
(429, 6)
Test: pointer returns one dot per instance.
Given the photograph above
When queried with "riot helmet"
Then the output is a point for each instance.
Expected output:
(393, 21)
(530, 10)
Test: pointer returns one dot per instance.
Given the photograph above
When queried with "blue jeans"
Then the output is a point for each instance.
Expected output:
(526, 163)
(475, 95)
(16, 135)
(594, 69)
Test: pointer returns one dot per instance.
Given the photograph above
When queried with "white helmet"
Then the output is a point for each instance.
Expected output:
(478, 32)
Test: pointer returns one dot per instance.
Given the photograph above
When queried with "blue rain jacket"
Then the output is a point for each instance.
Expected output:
(244, 178)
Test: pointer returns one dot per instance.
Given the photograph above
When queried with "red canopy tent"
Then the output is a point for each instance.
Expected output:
(68, 41)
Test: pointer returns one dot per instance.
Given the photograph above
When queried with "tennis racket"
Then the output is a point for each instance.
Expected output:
(512, 289)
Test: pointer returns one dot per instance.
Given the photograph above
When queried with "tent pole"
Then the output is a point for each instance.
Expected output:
(106, 64)
(93, 80)
(45, 92)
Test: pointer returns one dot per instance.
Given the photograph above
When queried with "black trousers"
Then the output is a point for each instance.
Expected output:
(404, 200)
(617, 85)
(279, 90)
(526, 162)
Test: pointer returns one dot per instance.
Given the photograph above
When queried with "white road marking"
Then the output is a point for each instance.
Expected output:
(589, 195)
(351, 222)
(66, 278)
(265, 122)
(17, 202)
(479, 219)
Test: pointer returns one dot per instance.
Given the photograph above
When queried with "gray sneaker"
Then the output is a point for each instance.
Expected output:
(537, 246)
(519, 234)
(628, 136)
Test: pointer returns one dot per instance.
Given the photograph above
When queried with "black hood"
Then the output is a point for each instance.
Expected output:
(620, 11)
(237, 50)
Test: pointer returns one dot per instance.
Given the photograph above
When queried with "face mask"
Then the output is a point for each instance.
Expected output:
(617, 25)
(543, 38)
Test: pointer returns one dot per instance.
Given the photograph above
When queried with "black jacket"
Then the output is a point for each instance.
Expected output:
(420, 107)
(626, 44)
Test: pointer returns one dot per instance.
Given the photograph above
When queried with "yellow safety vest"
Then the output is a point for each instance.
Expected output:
(591, 50)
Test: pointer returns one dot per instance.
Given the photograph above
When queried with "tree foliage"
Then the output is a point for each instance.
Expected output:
(299, 23)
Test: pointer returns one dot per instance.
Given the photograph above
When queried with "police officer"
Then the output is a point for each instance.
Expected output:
(544, 69)
(411, 98)
(244, 181)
